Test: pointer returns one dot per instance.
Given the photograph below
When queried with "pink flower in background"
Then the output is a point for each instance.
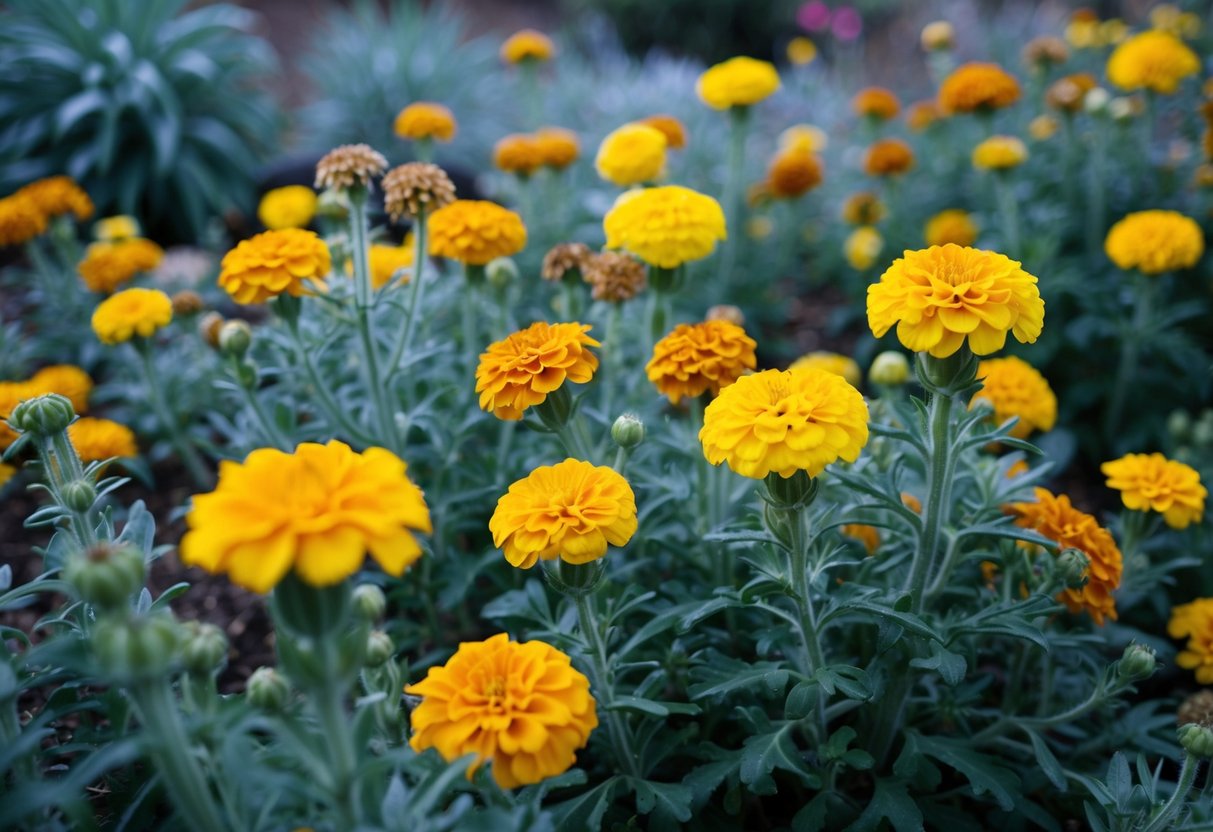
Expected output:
(813, 16)
(847, 24)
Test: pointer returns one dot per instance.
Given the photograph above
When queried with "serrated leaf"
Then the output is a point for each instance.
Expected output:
(950, 666)
(671, 799)
(763, 754)
(983, 774)
(890, 801)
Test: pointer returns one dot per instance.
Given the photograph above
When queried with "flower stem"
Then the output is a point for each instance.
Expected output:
(603, 680)
(363, 294)
(198, 471)
(405, 339)
(1008, 211)
(62, 466)
(272, 434)
(328, 704)
(1130, 349)
(340, 421)
(798, 564)
(935, 509)
(739, 118)
(1187, 776)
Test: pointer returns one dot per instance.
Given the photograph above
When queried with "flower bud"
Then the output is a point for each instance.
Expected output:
(1202, 432)
(947, 376)
(791, 492)
(889, 369)
(208, 327)
(1196, 739)
(106, 575)
(333, 204)
(1073, 567)
(204, 649)
(43, 415)
(938, 35)
(140, 647)
(369, 602)
(187, 302)
(573, 579)
(1096, 100)
(628, 431)
(1136, 663)
(1178, 425)
(79, 495)
(235, 338)
(268, 689)
(501, 272)
(379, 648)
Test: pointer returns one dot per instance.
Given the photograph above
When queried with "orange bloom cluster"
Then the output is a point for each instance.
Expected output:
(697, 358)
(521, 370)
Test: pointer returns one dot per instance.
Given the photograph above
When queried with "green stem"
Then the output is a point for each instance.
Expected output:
(1187, 776)
(603, 681)
(738, 124)
(1009, 213)
(611, 348)
(272, 434)
(363, 294)
(329, 706)
(468, 309)
(405, 339)
(62, 466)
(1130, 349)
(798, 563)
(337, 416)
(198, 471)
(1096, 193)
(936, 507)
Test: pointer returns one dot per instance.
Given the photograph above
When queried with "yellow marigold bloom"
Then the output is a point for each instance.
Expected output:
(869, 536)
(1043, 127)
(106, 266)
(527, 45)
(316, 511)
(20, 220)
(632, 155)
(521, 370)
(558, 148)
(273, 262)
(999, 153)
(7, 472)
(830, 362)
(862, 247)
(292, 206)
(801, 51)
(518, 153)
(673, 130)
(522, 706)
(807, 138)
(1053, 516)
(59, 195)
(863, 208)
(67, 380)
(1195, 622)
(888, 157)
(12, 393)
(978, 86)
(572, 510)
(922, 114)
(698, 358)
(387, 261)
(131, 312)
(1016, 388)
(474, 232)
(96, 440)
(1151, 482)
(425, 120)
(737, 82)
(939, 296)
(937, 35)
(115, 228)
(1082, 32)
(665, 226)
(1154, 242)
(952, 225)
(784, 422)
(793, 173)
(1153, 60)
(876, 102)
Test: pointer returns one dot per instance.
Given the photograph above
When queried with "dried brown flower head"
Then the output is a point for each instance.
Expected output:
(349, 165)
(564, 257)
(614, 276)
(415, 187)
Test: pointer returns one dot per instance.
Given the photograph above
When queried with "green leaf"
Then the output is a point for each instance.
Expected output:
(951, 666)
(763, 754)
(653, 708)
(724, 675)
(852, 681)
(586, 810)
(1047, 762)
(983, 774)
(672, 800)
(890, 801)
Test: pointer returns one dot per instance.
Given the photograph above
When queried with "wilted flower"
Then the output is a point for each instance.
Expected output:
(348, 165)
(695, 359)
(725, 312)
(737, 82)
(631, 155)
(614, 276)
(1067, 93)
(274, 262)
(414, 187)
(522, 369)
(1042, 53)
(425, 120)
(952, 225)
(475, 231)
(131, 312)
(1151, 482)
(563, 258)
(1154, 242)
(665, 226)
(1013, 387)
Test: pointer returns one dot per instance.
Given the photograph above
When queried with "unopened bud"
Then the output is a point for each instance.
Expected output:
(204, 649)
(1178, 425)
(628, 431)
(794, 492)
(1196, 739)
(235, 338)
(937, 35)
(268, 689)
(187, 302)
(43, 415)
(501, 272)
(333, 204)
(135, 648)
(369, 602)
(106, 574)
(1136, 663)
(1073, 567)
(889, 369)
(379, 648)
(208, 327)
(79, 496)
(1096, 100)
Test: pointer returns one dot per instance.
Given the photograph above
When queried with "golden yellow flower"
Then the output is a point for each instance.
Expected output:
(632, 155)
(673, 130)
(888, 157)
(1082, 30)
(425, 120)
(59, 195)
(387, 261)
(952, 225)
(106, 266)
(999, 153)
(665, 226)
(20, 220)
(274, 262)
(922, 114)
(862, 247)
(737, 82)
(316, 511)
(876, 102)
(292, 206)
(1067, 93)
(131, 312)
(830, 362)
(1151, 482)
(521, 370)
(1016, 388)
(977, 86)
(937, 35)
(793, 173)
(558, 147)
(1195, 621)
(807, 138)
(522, 706)
(939, 296)
(572, 510)
(1154, 60)
(12, 393)
(867, 535)
(784, 422)
(863, 208)
(1154, 242)
(698, 358)
(67, 380)
(115, 228)
(474, 232)
(614, 276)
(1053, 516)
(518, 153)
(96, 440)
(7, 472)
(1043, 127)
(527, 45)
(801, 51)
(911, 502)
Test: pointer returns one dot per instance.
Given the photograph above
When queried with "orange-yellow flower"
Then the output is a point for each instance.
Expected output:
(527, 45)
(106, 266)
(1154, 242)
(876, 102)
(130, 313)
(801, 51)
(386, 263)
(1195, 621)
(978, 86)
(793, 173)
(1154, 60)
(1067, 93)
(65, 379)
(888, 157)
(867, 535)
(631, 155)
(21, 220)
(862, 246)
(1151, 482)
(698, 358)
(558, 148)
(737, 82)
(59, 195)
(521, 706)
(673, 130)
(521, 370)
(474, 232)
(425, 120)
(808, 138)
(665, 226)
(115, 228)
(830, 362)
(863, 208)
(999, 153)
(1013, 387)
(518, 153)
(274, 262)
(292, 206)
(12, 393)
(316, 511)
(952, 225)
(922, 114)
(96, 440)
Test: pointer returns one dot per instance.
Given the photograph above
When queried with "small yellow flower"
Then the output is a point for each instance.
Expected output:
(59, 195)
(862, 247)
(888, 157)
(1015, 388)
(292, 206)
(1154, 242)
(807, 138)
(424, 120)
(527, 45)
(96, 440)
(474, 232)
(801, 51)
(558, 148)
(876, 102)
(999, 153)
(7, 472)
(107, 266)
(830, 362)
(793, 173)
(65, 379)
(130, 313)
(953, 225)
(737, 82)
(632, 155)
(1042, 128)
(695, 359)
(1195, 621)
(978, 86)
(521, 370)
(1154, 60)
(674, 131)
(115, 228)
(1151, 482)
(665, 226)
(863, 208)
(386, 262)
(518, 153)
(1082, 30)
(274, 262)
(937, 35)
(21, 220)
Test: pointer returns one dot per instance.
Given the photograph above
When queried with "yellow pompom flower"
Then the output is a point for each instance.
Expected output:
(115, 228)
(888, 157)
(665, 226)
(522, 706)
(808, 138)
(1151, 482)
(999, 153)
(1154, 242)
(830, 362)
(274, 262)
(130, 313)
(862, 247)
(67, 380)
(521, 370)
(940, 296)
(674, 131)
(1015, 388)
(783, 422)
(1154, 60)
(1195, 622)
(96, 440)
(292, 206)
(698, 358)
(20, 220)
(387, 261)
(558, 148)
(793, 173)
(518, 153)
(59, 195)
(572, 510)
(527, 45)
(978, 86)
(737, 82)
(876, 102)
(952, 225)
(801, 51)
(316, 511)
(474, 232)
(423, 120)
(631, 155)
(106, 266)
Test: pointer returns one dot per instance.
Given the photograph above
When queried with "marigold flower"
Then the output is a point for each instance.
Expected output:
(292, 206)
(806, 138)
(1053, 516)
(572, 510)
(59, 195)
(273, 262)
(518, 153)
(1043, 127)
(423, 120)
(1016, 388)
(862, 247)
(1151, 482)
(1154, 242)
(876, 102)
(999, 153)
(939, 296)
(952, 225)
(1067, 93)
(414, 187)
(474, 232)
(978, 86)
(801, 51)
(521, 370)
(631, 155)
(888, 157)
(12, 393)
(348, 165)
(665, 226)
(737, 82)
(558, 147)
(527, 45)
(386, 263)
(868, 536)
(106, 266)
(21, 220)
(673, 130)
(563, 258)
(614, 276)
(911, 502)
(1154, 60)
(131, 312)
(316, 511)
(863, 208)
(67, 380)
(7, 472)
(115, 228)
(922, 114)
(96, 440)
(783, 422)
(937, 35)
(697, 358)
(522, 706)
(830, 362)
(1195, 621)
(1045, 51)
(793, 174)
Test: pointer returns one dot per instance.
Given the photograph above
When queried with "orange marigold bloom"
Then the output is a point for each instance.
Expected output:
(867, 535)
(12, 393)
(1013, 387)
(21, 220)
(518, 153)
(65, 379)
(673, 130)
(425, 120)
(1195, 621)
(96, 440)
(952, 225)
(911, 502)
(558, 147)
(978, 86)
(698, 358)
(922, 114)
(527, 45)
(521, 370)
(793, 174)
(474, 232)
(1053, 516)
(806, 138)
(106, 266)
(1151, 482)
(888, 157)
(876, 102)
(521, 706)
(1153, 60)
(59, 195)
(273, 262)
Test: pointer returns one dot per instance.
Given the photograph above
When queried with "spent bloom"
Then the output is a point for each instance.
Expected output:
(793, 173)
(527, 45)
(292, 206)
(56, 196)
(888, 157)
(1043, 52)
(475, 232)
(348, 165)
(876, 102)
(274, 262)
(130, 313)
(665, 226)
(977, 87)
(631, 155)
(614, 276)
(522, 369)
(999, 153)
(737, 82)
(414, 187)
(424, 120)
(1068, 92)
(1151, 482)
(697, 358)
(1154, 242)
(1154, 60)
(106, 266)
(1194, 621)
(316, 511)
(96, 440)
(674, 131)
(564, 258)
(830, 362)
(952, 225)
(937, 35)
(1013, 387)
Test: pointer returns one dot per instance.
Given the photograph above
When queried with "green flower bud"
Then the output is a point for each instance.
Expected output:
(79, 496)
(628, 431)
(1197, 739)
(1096, 100)
(369, 602)
(235, 338)
(137, 647)
(205, 648)
(1202, 433)
(948, 376)
(268, 689)
(333, 204)
(379, 648)
(573, 579)
(889, 369)
(1178, 425)
(1073, 567)
(1136, 663)
(43, 415)
(501, 272)
(106, 575)
(791, 492)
